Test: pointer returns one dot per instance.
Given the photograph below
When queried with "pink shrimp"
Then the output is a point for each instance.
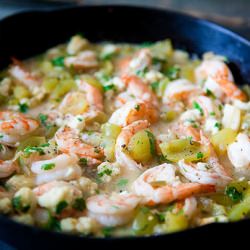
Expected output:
(221, 76)
(122, 141)
(7, 168)
(140, 90)
(85, 60)
(134, 111)
(68, 141)
(14, 126)
(160, 185)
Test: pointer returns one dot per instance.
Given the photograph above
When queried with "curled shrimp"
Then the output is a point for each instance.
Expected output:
(122, 141)
(114, 210)
(69, 141)
(134, 111)
(220, 78)
(23, 76)
(62, 167)
(160, 185)
(141, 60)
(14, 126)
(179, 90)
(183, 130)
(85, 60)
(141, 91)
(7, 168)
(94, 95)
(209, 172)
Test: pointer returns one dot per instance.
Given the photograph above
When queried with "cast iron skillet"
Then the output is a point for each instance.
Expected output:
(26, 34)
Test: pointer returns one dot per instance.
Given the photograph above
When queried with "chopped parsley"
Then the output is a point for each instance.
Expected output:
(122, 183)
(1, 147)
(53, 224)
(199, 155)
(160, 217)
(108, 87)
(106, 171)
(151, 142)
(79, 204)
(146, 44)
(173, 72)
(210, 93)
(23, 107)
(29, 150)
(212, 113)
(61, 206)
(1, 136)
(157, 60)
(155, 86)
(83, 161)
(79, 119)
(17, 204)
(198, 107)
(141, 72)
(58, 61)
(48, 166)
(145, 210)
(43, 119)
(107, 231)
(233, 194)
(218, 125)
(137, 107)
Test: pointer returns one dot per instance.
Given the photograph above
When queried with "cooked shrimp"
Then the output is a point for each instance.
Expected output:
(62, 167)
(134, 111)
(7, 168)
(179, 90)
(203, 173)
(24, 77)
(85, 60)
(94, 95)
(122, 141)
(112, 210)
(139, 61)
(222, 78)
(206, 104)
(183, 130)
(140, 90)
(69, 141)
(160, 185)
(14, 126)
(210, 172)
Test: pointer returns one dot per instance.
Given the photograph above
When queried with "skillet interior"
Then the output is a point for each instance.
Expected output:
(27, 34)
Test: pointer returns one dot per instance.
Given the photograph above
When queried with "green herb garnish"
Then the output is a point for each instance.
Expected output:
(122, 183)
(199, 155)
(79, 204)
(61, 206)
(137, 107)
(58, 61)
(108, 87)
(48, 166)
(173, 72)
(83, 161)
(151, 142)
(155, 86)
(233, 194)
(198, 107)
(17, 204)
(23, 107)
